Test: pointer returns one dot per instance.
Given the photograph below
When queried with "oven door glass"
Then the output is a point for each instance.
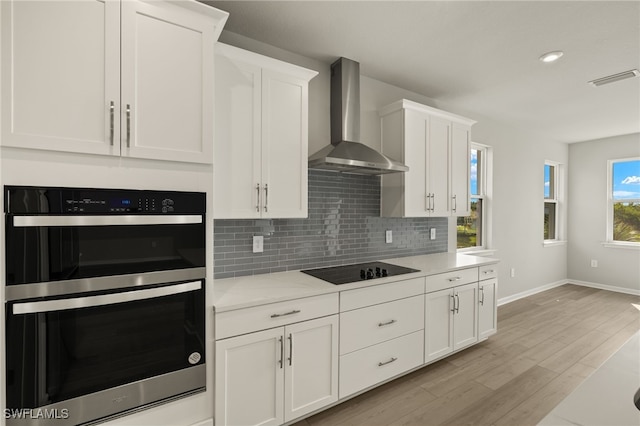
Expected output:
(60, 349)
(84, 247)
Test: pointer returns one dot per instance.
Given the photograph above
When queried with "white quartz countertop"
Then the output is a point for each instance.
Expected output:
(605, 397)
(243, 292)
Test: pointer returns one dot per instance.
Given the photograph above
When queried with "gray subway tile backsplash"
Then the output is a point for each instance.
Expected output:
(344, 226)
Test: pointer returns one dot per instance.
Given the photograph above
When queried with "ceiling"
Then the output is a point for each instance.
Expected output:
(481, 56)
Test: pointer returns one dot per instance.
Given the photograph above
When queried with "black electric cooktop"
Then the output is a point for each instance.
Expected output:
(358, 272)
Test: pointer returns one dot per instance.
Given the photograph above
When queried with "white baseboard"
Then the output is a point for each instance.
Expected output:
(514, 297)
(635, 292)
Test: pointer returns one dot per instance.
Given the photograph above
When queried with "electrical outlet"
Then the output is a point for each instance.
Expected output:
(258, 243)
(388, 236)
(513, 272)
(433, 234)
(594, 263)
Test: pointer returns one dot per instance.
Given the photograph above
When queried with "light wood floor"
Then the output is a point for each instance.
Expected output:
(546, 345)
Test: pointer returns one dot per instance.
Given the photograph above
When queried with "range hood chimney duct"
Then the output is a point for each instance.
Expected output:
(346, 153)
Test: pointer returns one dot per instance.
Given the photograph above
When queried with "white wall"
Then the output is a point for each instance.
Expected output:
(617, 267)
(518, 169)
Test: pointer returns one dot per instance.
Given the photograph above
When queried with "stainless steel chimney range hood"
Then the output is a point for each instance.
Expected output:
(346, 154)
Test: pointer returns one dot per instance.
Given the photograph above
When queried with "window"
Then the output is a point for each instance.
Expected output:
(550, 201)
(471, 230)
(623, 225)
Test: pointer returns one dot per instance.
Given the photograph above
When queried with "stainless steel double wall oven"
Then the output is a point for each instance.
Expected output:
(105, 305)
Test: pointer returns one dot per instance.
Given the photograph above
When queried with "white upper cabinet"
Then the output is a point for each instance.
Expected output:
(436, 146)
(129, 78)
(261, 136)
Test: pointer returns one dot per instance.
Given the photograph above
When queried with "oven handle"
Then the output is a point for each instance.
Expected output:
(101, 300)
(31, 221)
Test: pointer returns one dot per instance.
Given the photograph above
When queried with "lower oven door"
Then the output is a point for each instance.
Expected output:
(79, 359)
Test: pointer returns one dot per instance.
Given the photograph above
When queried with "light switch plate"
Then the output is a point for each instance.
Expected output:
(258, 243)
(388, 236)
(433, 233)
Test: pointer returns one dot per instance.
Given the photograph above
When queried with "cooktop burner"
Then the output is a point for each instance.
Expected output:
(358, 272)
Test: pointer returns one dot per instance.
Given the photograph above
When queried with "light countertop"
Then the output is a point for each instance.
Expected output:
(605, 397)
(253, 290)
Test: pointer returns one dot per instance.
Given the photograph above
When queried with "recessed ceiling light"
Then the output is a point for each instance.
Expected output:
(615, 77)
(551, 56)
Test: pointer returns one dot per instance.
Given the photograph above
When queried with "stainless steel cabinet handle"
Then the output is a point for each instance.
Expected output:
(491, 271)
(295, 311)
(454, 279)
(458, 304)
(266, 196)
(455, 203)
(382, 324)
(290, 348)
(111, 122)
(393, 358)
(453, 299)
(128, 126)
(104, 299)
(482, 292)
(433, 204)
(281, 361)
(258, 202)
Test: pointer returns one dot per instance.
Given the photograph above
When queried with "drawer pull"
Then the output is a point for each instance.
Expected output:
(295, 311)
(393, 358)
(491, 271)
(455, 279)
(382, 324)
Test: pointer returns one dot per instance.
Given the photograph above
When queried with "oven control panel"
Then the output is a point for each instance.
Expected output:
(34, 200)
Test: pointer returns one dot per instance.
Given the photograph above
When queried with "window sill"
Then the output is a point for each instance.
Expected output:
(553, 243)
(621, 245)
(479, 252)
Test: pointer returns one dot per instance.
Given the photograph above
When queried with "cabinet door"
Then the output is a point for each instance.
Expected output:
(284, 145)
(438, 165)
(60, 75)
(415, 180)
(438, 329)
(167, 82)
(311, 374)
(487, 308)
(460, 169)
(237, 149)
(250, 379)
(465, 319)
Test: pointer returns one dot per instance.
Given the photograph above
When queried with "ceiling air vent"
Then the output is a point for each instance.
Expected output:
(613, 78)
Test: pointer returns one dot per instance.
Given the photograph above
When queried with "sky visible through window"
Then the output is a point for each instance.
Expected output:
(547, 180)
(626, 180)
(474, 172)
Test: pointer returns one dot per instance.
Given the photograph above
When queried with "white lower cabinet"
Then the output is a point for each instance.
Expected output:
(374, 364)
(273, 376)
(451, 320)
(487, 308)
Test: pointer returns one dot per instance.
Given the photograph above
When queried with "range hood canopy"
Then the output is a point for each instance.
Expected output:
(346, 154)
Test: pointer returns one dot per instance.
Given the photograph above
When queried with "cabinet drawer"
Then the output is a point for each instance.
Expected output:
(361, 297)
(241, 321)
(451, 279)
(367, 367)
(488, 272)
(375, 324)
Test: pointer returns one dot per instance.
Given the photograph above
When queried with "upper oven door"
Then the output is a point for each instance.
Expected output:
(63, 250)
(62, 241)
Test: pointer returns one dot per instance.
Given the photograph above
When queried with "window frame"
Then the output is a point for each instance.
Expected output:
(609, 241)
(556, 192)
(484, 192)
